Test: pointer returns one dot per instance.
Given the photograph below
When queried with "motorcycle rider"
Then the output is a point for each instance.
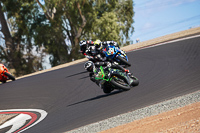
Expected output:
(86, 47)
(97, 58)
(94, 49)
(94, 69)
(83, 46)
(91, 50)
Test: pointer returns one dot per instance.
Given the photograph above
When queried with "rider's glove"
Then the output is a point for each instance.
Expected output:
(115, 63)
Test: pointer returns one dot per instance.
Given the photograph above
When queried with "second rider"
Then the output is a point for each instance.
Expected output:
(93, 51)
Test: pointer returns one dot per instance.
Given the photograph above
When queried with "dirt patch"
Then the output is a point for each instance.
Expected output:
(4, 118)
(181, 120)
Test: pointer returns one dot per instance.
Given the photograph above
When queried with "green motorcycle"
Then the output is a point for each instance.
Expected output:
(111, 78)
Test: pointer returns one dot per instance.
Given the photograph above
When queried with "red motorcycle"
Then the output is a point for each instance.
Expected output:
(5, 75)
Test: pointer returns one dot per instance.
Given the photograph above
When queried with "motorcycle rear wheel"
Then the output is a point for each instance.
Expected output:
(9, 76)
(3, 81)
(107, 88)
(119, 83)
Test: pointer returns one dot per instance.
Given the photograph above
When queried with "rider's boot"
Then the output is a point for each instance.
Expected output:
(92, 77)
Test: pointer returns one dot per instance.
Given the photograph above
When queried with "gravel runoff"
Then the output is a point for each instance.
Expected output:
(139, 114)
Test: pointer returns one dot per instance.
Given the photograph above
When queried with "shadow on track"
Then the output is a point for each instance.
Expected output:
(77, 74)
(98, 97)
(84, 77)
(6, 82)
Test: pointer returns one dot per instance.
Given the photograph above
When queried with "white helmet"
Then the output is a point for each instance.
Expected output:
(89, 65)
(82, 42)
(83, 45)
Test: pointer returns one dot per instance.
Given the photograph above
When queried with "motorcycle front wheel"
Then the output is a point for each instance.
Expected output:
(135, 81)
(120, 83)
(123, 61)
(9, 76)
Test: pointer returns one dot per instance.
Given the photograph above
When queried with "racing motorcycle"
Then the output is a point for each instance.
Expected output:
(116, 54)
(5, 74)
(113, 78)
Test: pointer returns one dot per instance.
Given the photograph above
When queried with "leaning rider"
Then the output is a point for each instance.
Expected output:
(92, 50)
(87, 47)
(100, 46)
(95, 55)
(94, 69)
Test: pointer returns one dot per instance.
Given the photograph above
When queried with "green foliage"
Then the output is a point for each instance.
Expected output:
(106, 27)
(110, 20)
(59, 25)
(21, 16)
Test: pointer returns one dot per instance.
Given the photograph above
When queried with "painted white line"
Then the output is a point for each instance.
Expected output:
(181, 39)
(18, 121)
(43, 115)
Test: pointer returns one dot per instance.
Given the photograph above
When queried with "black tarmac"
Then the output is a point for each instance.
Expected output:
(72, 100)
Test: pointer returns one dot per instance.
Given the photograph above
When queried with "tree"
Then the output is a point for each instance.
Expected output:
(113, 21)
(89, 19)
(18, 38)
(57, 26)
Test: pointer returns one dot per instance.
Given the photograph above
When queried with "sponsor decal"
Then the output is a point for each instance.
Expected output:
(24, 119)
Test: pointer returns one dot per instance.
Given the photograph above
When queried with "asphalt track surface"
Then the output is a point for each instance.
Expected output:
(72, 100)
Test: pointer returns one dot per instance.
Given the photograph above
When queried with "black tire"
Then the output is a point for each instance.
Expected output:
(123, 61)
(3, 82)
(135, 81)
(120, 84)
(107, 88)
(10, 76)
